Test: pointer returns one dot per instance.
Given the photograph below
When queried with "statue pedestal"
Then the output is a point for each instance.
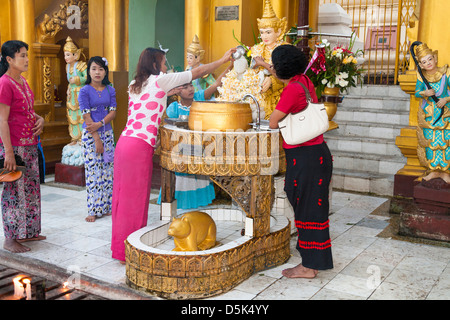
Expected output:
(429, 216)
(73, 175)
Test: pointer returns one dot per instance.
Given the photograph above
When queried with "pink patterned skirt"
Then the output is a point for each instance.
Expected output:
(21, 200)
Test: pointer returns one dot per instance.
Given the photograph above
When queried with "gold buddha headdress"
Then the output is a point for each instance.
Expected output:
(72, 48)
(270, 20)
(422, 51)
(196, 49)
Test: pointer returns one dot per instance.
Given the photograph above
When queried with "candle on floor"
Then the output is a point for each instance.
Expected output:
(27, 283)
(18, 288)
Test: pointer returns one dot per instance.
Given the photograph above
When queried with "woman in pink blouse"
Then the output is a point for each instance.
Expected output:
(20, 127)
(133, 162)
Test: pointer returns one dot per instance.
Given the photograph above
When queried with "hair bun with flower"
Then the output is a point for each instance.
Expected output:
(106, 61)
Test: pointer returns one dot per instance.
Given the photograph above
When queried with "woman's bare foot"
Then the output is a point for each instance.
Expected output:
(15, 247)
(90, 218)
(299, 272)
(38, 238)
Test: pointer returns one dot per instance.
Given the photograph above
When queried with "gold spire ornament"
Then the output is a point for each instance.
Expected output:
(195, 55)
(422, 51)
(196, 49)
(270, 20)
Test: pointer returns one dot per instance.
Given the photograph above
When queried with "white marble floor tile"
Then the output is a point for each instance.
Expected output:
(288, 289)
(86, 244)
(350, 285)
(441, 289)
(365, 269)
(62, 237)
(414, 279)
(113, 272)
(392, 291)
(85, 262)
(325, 294)
(256, 283)
(103, 251)
(234, 294)
(422, 265)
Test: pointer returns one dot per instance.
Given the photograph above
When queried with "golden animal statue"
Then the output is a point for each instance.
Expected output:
(194, 231)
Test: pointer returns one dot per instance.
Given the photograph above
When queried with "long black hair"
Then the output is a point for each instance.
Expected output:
(102, 63)
(9, 49)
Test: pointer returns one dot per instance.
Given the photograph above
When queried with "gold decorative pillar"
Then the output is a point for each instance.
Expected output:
(108, 37)
(23, 28)
(5, 20)
(115, 40)
(197, 22)
(46, 65)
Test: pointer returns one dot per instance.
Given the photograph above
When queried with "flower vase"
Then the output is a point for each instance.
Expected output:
(330, 99)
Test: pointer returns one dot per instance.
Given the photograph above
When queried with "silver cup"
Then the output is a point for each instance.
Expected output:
(240, 51)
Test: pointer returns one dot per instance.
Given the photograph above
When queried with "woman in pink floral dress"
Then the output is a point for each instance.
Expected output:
(20, 127)
(133, 160)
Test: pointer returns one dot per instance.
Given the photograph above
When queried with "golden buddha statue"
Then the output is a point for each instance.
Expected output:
(272, 30)
(433, 131)
(194, 56)
(76, 75)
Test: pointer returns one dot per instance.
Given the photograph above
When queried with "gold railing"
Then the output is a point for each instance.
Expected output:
(381, 26)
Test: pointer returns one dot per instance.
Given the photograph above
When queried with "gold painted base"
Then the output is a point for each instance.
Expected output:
(333, 126)
(181, 277)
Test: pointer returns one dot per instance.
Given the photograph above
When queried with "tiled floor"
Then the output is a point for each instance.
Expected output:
(365, 266)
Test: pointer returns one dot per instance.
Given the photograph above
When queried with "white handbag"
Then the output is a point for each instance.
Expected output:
(311, 122)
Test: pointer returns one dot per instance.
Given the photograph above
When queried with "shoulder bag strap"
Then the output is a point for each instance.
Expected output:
(307, 93)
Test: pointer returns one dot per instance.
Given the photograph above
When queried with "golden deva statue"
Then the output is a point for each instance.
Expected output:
(433, 131)
(272, 30)
(76, 75)
(194, 56)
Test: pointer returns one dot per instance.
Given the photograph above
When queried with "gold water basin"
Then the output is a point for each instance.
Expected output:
(219, 115)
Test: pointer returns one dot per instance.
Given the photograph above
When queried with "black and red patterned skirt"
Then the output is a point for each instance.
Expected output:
(308, 176)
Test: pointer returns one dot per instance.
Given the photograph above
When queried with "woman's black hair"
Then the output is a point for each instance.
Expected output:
(288, 61)
(102, 63)
(9, 49)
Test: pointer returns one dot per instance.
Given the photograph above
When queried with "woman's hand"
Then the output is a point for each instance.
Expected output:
(228, 55)
(38, 126)
(99, 146)
(92, 127)
(10, 161)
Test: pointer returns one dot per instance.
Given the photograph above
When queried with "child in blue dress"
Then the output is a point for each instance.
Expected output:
(191, 190)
